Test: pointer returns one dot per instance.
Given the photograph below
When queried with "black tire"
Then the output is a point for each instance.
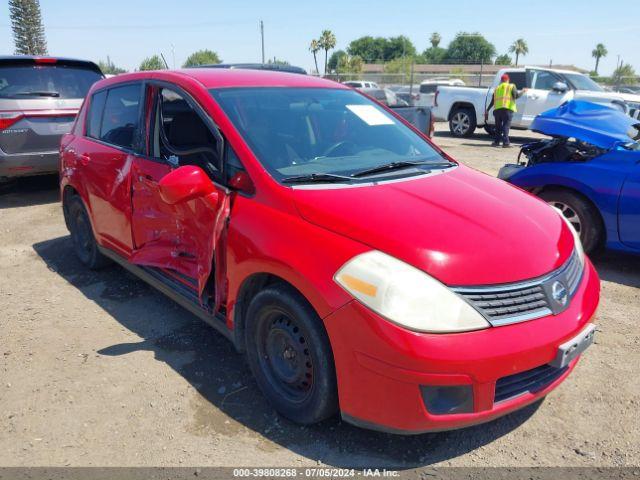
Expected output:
(490, 129)
(290, 355)
(462, 122)
(84, 243)
(581, 213)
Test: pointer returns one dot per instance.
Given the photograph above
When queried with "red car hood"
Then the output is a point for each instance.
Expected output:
(461, 226)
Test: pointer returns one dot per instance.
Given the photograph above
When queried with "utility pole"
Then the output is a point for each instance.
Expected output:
(262, 38)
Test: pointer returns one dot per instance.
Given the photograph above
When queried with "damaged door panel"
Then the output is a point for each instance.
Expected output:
(181, 236)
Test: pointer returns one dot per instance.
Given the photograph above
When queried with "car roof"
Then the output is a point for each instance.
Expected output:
(228, 78)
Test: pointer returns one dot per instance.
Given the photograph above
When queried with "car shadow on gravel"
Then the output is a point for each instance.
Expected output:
(28, 191)
(619, 268)
(229, 402)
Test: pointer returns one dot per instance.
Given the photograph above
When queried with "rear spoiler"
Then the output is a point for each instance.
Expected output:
(19, 60)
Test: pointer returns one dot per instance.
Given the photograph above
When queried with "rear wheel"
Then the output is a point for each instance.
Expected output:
(462, 122)
(582, 215)
(290, 356)
(84, 243)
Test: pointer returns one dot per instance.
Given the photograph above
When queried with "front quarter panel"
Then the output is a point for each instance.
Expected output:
(600, 180)
(263, 239)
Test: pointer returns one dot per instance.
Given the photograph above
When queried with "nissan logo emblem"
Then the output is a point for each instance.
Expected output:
(559, 293)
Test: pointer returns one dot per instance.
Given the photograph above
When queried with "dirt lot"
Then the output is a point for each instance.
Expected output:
(99, 369)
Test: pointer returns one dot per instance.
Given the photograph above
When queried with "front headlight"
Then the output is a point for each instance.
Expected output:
(576, 237)
(407, 296)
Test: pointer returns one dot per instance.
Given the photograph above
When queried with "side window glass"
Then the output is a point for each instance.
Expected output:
(233, 163)
(181, 137)
(519, 79)
(121, 116)
(94, 118)
(544, 80)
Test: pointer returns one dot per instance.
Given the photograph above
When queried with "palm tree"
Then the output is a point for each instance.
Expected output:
(327, 41)
(599, 52)
(435, 39)
(519, 47)
(315, 48)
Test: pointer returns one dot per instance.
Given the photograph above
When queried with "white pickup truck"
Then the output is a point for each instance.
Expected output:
(546, 88)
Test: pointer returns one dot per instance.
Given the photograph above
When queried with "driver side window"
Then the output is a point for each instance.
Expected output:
(180, 136)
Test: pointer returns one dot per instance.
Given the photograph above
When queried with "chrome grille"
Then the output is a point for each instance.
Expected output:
(518, 302)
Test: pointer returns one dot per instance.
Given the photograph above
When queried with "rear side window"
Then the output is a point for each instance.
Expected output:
(428, 88)
(519, 79)
(37, 81)
(121, 116)
(96, 107)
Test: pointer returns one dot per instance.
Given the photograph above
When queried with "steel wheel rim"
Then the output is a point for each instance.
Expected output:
(285, 358)
(460, 122)
(82, 233)
(570, 214)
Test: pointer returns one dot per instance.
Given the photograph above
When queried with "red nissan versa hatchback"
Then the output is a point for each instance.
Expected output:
(358, 266)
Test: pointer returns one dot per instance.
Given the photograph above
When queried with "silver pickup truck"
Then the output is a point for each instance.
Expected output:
(544, 88)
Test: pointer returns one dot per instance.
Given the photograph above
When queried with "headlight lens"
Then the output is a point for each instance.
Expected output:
(407, 296)
(576, 237)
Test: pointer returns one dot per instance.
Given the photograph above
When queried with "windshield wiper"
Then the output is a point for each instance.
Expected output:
(38, 94)
(387, 167)
(317, 178)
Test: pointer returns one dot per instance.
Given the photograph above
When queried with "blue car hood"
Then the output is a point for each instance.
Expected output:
(599, 125)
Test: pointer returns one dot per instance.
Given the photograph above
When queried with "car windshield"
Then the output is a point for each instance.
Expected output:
(321, 131)
(34, 81)
(582, 82)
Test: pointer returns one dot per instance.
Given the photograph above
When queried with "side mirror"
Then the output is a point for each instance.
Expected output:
(560, 87)
(184, 184)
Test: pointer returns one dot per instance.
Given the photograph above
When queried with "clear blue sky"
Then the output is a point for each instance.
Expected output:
(562, 30)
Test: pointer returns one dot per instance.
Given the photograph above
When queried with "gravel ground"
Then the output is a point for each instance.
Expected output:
(99, 369)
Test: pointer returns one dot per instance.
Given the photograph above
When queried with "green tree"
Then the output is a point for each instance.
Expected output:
(434, 55)
(28, 31)
(399, 65)
(597, 53)
(314, 48)
(470, 48)
(349, 64)
(624, 73)
(334, 59)
(398, 47)
(109, 68)
(503, 59)
(202, 57)
(519, 47)
(435, 39)
(370, 49)
(327, 42)
(153, 62)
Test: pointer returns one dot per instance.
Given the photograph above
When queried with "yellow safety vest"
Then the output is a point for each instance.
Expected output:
(503, 98)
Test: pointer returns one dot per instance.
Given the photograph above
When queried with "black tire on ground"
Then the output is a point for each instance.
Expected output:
(581, 214)
(490, 129)
(462, 122)
(84, 243)
(290, 356)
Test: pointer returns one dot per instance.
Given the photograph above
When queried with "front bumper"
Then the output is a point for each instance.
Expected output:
(381, 367)
(21, 165)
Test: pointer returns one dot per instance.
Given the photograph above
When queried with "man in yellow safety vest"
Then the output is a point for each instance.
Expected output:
(504, 103)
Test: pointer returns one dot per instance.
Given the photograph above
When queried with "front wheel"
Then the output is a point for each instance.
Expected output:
(462, 122)
(290, 356)
(581, 214)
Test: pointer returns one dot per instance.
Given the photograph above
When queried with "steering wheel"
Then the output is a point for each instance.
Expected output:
(339, 149)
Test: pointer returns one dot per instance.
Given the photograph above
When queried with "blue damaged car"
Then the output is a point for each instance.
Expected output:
(589, 169)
